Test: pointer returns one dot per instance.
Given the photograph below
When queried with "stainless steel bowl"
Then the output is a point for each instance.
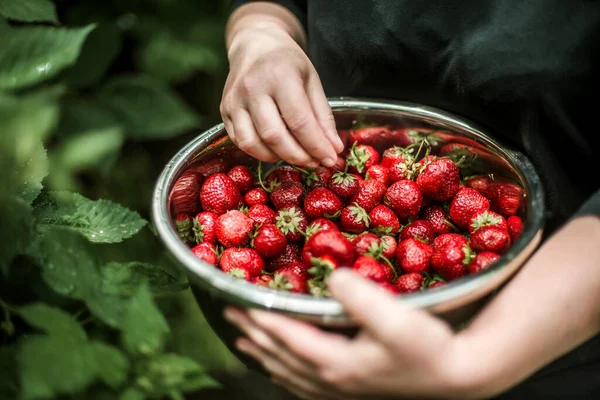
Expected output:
(456, 301)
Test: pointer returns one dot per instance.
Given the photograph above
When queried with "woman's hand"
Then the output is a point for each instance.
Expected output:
(273, 104)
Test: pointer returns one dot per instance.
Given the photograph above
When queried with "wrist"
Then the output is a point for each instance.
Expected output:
(259, 36)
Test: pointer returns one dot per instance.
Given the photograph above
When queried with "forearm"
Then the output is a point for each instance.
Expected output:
(550, 307)
(257, 15)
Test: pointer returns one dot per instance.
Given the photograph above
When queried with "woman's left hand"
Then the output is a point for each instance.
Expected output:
(398, 351)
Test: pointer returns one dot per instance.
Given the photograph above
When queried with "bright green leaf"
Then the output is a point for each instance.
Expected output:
(29, 55)
(31, 173)
(112, 365)
(89, 149)
(29, 10)
(132, 394)
(144, 327)
(100, 221)
(125, 279)
(16, 228)
(52, 321)
(147, 108)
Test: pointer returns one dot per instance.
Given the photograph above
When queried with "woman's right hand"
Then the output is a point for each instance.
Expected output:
(273, 103)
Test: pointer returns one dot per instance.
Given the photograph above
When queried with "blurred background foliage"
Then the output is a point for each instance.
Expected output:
(113, 88)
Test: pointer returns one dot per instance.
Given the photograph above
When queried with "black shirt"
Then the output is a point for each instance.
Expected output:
(522, 68)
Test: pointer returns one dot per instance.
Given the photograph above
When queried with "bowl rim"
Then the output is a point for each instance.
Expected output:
(247, 294)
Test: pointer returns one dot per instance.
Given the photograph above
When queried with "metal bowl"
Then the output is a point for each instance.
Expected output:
(456, 302)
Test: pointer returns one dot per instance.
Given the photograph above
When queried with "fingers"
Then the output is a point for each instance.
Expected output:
(274, 134)
(246, 138)
(323, 113)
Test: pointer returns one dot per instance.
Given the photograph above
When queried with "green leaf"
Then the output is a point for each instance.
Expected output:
(100, 221)
(84, 115)
(132, 394)
(147, 108)
(9, 377)
(29, 10)
(112, 365)
(125, 279)
(93, 148)
(98, 53)
(31, 173)
(144, 327)
(16, 222)
(52, 321)
(29, 55)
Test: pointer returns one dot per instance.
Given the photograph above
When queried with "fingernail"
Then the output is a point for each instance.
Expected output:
(338, 140)
(328, 162)
(241, 346)
(312, 164)
(230, 316)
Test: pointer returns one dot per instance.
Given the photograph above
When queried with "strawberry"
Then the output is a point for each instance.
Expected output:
(262, 214)
(288, 194)
(282, 174)
(340, 165)
(204, 227)
(242, 263)
(395, 154)
(409, 283)
(515, 227)
(354, 219)
(361, 157)
(233, 229)
(320, 224)
(184, 195)
(292, 222)
(384, 221)
(290, 279)
(321, 203)
(419, 229)
(436, 216)
(445, 238)
(440, 180)
(490, 238)
(466, 203)
(451, 259)
(321, 267)
(317, 178)
(241, 175)
(482, 261)
(290, 255)
(219, 194)
(482, 183)
(506, 198)
(256, 196)
(487, 218)
(390, 246)
(414, 255)
(399, 170)
(331, 243)
(269, 241)
(390, 287)
(212, 167)
(379, 173)
(404, 198)
(343, 184)
(363, 242)
(435, 284)
(183, 225)
(369, 195)
(206, 252)
(372, 269)
(372, 136)
(262, 280)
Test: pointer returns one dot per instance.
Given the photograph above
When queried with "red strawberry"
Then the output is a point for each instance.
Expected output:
(361, 157)
(241, 175)
(378, 173)
(212, 167)
(395, 154)
(292, 278)
(184, 195)
(482, 261)
(262, 280)
(317, 178)
(383, 220)
(219, 194)
(401, 137)
(340, 165)
(435, 284)
(465, 204)
(487, 218)
(363, 242)
(290, 255)
(373, 136)
(409, 283)
(369, 195)
(400, 170)
(288, 194)
(343, 184)
(320, 224)
(440, 180)
(354, 219)
(490, 238)
(414, 255)
(183, 225)
(390, 287)
(372, 269)
(206, 251)
(256, 196)
(390, 246)
(445, 238)
(282, 174)
(482, 183)
(331, 243)
(204, 227)
(321, 267)
(269, 241)
(404, 198)
(262, 214)
(506, 198)
(451, 260)
(292, 222)
(233, 229)
(321, 203)
(436, 216)
(419, 229)
(515, 227)
(242, 263)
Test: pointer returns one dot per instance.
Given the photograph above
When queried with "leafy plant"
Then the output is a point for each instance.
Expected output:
(86, 90)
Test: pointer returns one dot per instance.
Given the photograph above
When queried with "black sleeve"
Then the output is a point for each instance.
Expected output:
(591, 206)
(297, 7)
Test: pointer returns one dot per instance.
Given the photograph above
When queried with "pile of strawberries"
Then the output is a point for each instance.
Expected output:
(396, 210)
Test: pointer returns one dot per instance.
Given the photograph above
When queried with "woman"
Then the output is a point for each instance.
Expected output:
(522, 68)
